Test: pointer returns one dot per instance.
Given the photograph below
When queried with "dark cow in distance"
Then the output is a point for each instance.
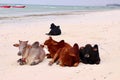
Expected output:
(89, 54)
(55, 30)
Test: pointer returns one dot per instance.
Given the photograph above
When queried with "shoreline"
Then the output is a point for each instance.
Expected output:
(53, 13)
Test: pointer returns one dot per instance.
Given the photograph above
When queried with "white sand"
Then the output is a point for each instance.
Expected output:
(102, 28)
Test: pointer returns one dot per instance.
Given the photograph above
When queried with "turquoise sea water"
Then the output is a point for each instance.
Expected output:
(45, 10)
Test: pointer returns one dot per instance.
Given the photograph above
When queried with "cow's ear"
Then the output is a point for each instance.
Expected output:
(26, 41)
(95, 48)
(62, 42)
(50, 37)
(16, 45)
(20, 41)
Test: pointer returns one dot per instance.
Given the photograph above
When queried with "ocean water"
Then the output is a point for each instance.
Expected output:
(46, 10)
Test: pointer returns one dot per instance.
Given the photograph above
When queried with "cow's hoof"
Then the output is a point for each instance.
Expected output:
(50, 63)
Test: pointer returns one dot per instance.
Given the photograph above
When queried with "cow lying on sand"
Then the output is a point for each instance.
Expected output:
(69, 57)
(62, 53)
(31, 54)
(55, 30)
(89, 54)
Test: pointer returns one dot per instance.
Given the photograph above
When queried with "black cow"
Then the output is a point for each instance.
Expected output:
(89, 54)
(55, 30)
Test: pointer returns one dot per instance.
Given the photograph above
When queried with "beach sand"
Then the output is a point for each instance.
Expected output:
(102, 28)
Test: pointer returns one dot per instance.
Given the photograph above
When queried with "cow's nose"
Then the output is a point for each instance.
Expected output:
(19, 53)
(87, 55)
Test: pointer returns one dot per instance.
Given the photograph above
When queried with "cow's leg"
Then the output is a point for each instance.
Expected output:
(55, 58)
(48, 56)
(21, 61)
(35, 62)
(76, 64)
(61, 63)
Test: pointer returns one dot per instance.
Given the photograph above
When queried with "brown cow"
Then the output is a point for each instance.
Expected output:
(53, 46)
(62, 52)
(69, 57)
